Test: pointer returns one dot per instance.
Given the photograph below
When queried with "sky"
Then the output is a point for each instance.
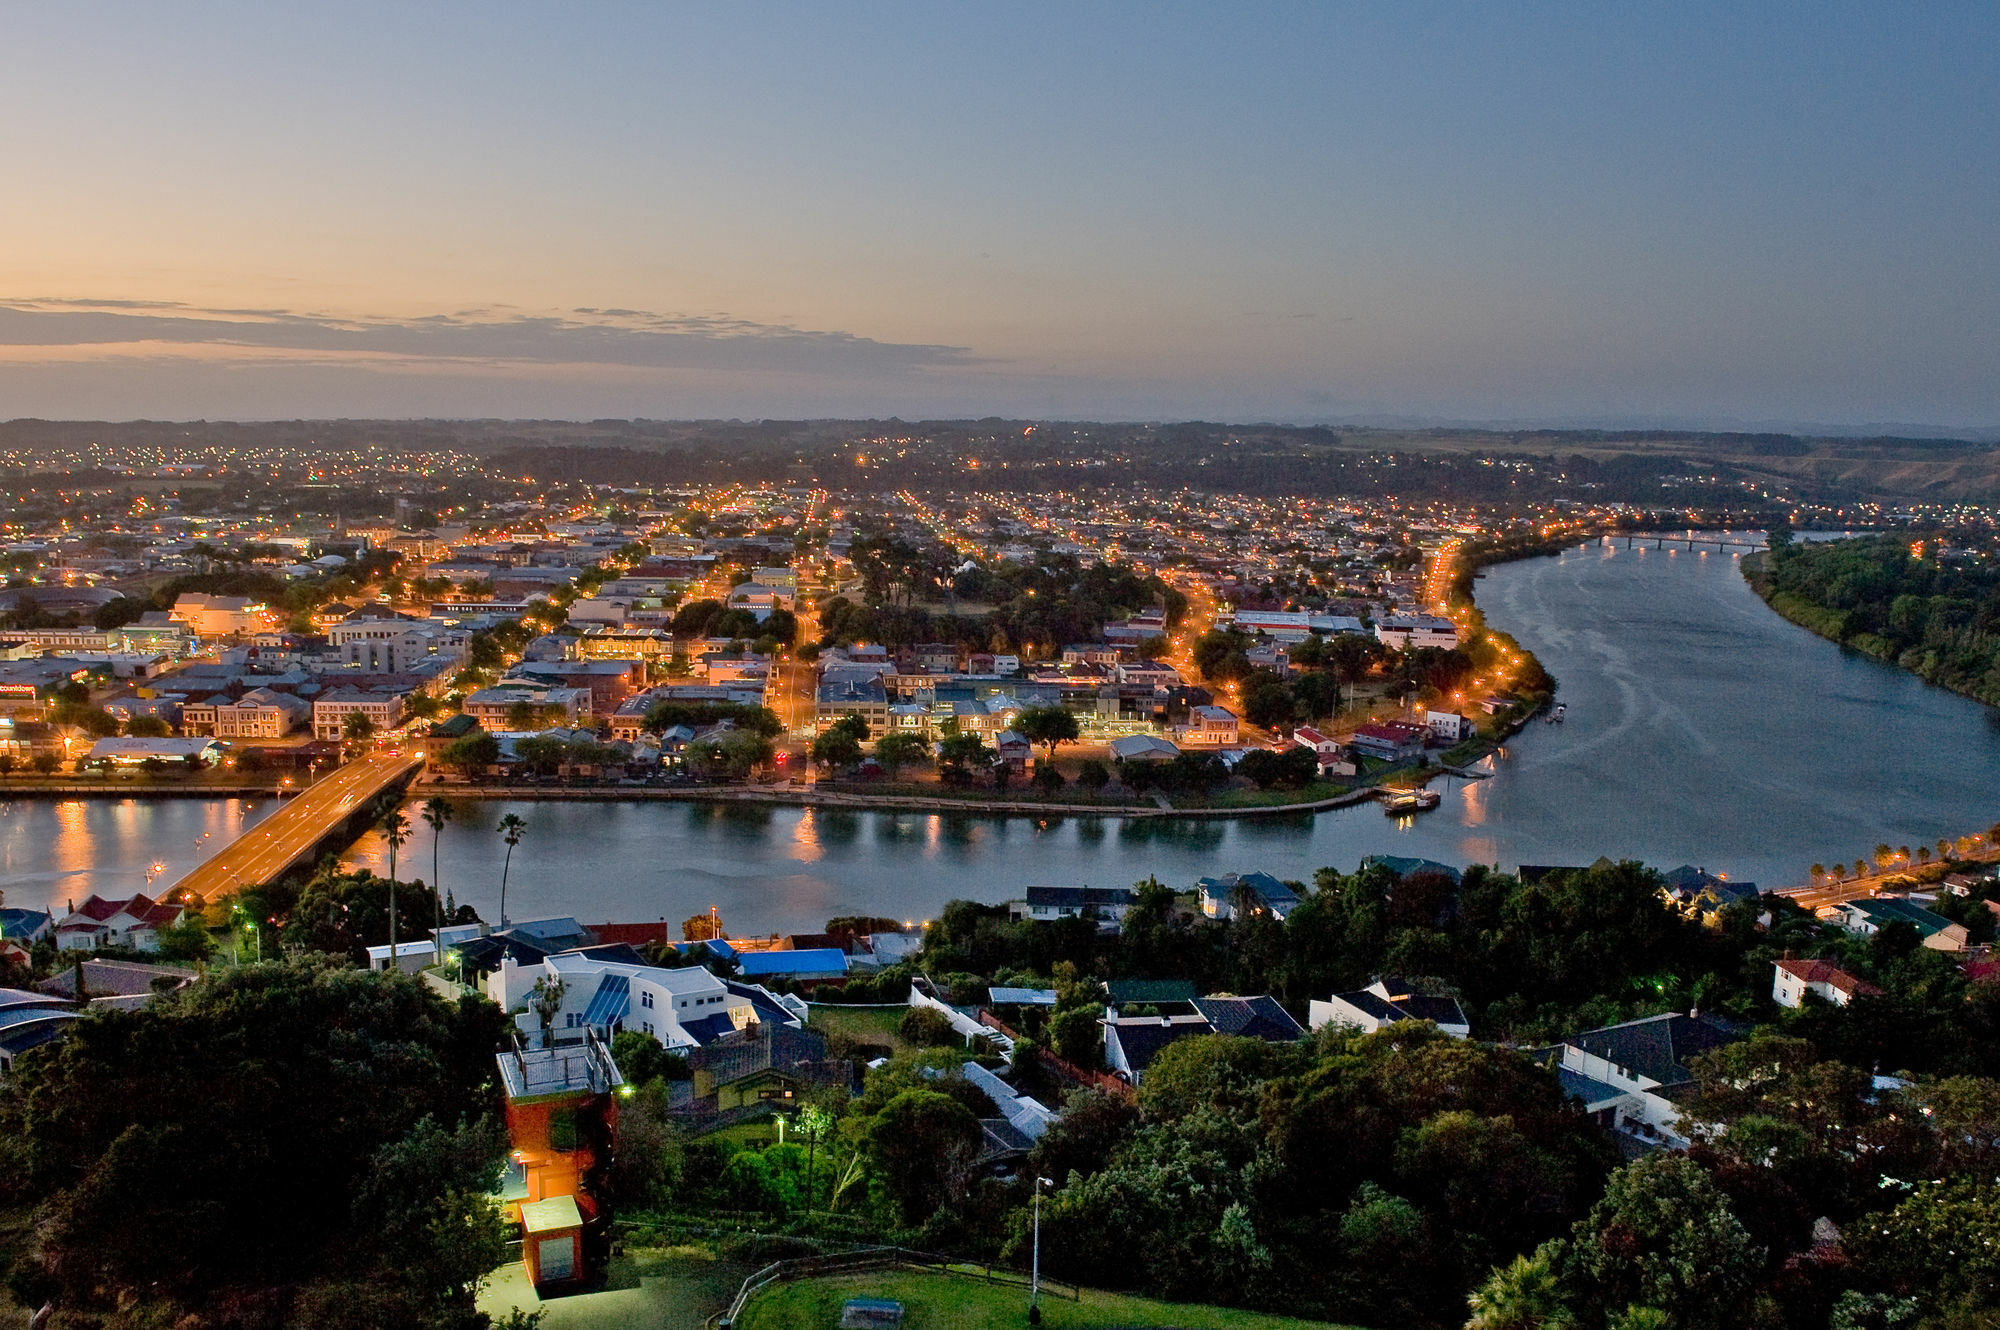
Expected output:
(1727, 215)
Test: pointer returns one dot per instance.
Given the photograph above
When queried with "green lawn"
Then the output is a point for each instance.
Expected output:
(866, 1025)
(962, 1302)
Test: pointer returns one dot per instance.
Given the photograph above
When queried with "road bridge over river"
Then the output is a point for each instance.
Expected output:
(296, 830)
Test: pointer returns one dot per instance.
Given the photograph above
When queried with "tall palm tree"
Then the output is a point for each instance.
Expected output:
(395, 830)
(510, 829)
(436, 813)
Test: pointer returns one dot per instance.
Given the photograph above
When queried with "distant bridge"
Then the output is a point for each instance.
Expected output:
(296, 831)
(1693, 540)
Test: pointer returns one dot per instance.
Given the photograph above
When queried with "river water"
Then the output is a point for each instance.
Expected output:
(1701, 729)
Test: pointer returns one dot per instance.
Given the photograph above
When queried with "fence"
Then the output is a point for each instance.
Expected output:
(878, 1258)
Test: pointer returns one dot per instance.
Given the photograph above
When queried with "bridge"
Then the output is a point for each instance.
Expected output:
(1693, 540)
(297, 829)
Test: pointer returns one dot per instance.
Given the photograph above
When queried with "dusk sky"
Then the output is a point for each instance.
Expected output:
(1592, 213)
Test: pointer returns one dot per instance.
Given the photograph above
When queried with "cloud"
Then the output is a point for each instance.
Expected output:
(632, 339)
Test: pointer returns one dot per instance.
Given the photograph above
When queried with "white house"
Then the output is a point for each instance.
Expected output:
(1868, 916)
(1449, 726)
(1384, 1003)
(1628, 1075)
(1048, 903)
(681, 1008)
(134, 922)
(1792, 980)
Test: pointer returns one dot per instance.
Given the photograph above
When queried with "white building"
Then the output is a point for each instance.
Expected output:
(383, 710)
(1384, 1003)
(682, 1008)
(396, 646)
(1792, 980)
(1404, 631)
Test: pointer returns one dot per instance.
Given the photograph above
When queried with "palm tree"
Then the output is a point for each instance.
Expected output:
(396, 831)
(510, 829)
(1818, 872)
(436, 813)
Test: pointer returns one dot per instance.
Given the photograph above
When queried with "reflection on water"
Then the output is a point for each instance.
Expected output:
(1701, 729)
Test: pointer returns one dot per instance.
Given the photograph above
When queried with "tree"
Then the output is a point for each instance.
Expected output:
(1524, 1295)
(961, 754)
(475, 753)
(899, 749)
(923, 1144)
(437, 813)
(1048, 726)
(152, 1146)
(1092, 774)
(927, 1027)
(396, 833)
(356, 728)
(187, 940)
(836, 748)
(1269, 705)
(511, 829)
(148, 727)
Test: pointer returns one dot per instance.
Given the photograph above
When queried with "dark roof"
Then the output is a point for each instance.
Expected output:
(1001, 1140)
(21, 997)
(1657, 1047)
(1076, 897)
(1142, 1040)
(485, 953)
(767, 1009)
(705, 1030)
(1124, 991)
(621, 953)
(1404, 867)
(772, 1048)
(1250, 1017)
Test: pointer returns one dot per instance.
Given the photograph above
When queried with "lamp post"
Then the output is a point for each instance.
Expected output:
(1035, 1276)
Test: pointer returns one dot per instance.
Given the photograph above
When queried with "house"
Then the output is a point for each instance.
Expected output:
(26, 926)
(1450, 727)
(412, 955)
(681, 1008)
(1332, 754)
(1792, 980)
(1698, 891)
(133, 922)
(116, 983)
(30, 1020)
(1132, 1042)
(1010, 748)
(1258, 893)
(1868, 916)
(1391, 740)
(562, 1116)
(1629, 1076)
(767, 1065)
(1406, 631)
(1384, 1003)
(1043, 904)
(1250, 1018)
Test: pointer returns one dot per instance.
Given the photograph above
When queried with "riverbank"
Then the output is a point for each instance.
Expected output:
(127, 789)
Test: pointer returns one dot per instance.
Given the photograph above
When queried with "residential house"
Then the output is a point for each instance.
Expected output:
(562, 1115)
(133, 922)
(1044, 904)
(810, 967)
(1391, 740)
(26, 926)
(1259, 1017)
(767, 1065)
(1132, 1042)
(1791, 980)
(1257, 893)
(680, 1008)
(1332, 754)
(1384, 1003)
(1631, 1076)
(30, 1020)
(1868, 916)
(1450, 727)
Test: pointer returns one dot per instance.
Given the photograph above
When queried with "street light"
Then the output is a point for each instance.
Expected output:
(1035, 1276)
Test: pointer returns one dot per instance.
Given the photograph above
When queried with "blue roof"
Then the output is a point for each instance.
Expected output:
(608, 1004)
(813, 960)
(20, 923)
(716, 947)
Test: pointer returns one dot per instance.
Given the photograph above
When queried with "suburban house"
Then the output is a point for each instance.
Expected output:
(767, 1066)
(25, 926)
(1868, 916)
(681, 1008)
(1698, 891)
(1391, 740)
(1630, 1076)
(1792, 980)
(1259, 893)
(1384, 1003)
(1132, 1042)
(1332, 754)
(1043, 904)
(813, 965)
(133, 922)
(29, 1020)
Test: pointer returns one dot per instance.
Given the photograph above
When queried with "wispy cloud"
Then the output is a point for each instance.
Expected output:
(602, 337)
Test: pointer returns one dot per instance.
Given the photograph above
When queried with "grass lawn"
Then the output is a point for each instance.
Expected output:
(960, 1302)
(865, 1025)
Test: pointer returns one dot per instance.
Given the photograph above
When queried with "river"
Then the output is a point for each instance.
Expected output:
(1701, 728)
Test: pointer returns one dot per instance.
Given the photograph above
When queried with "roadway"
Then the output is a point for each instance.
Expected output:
(296, 829)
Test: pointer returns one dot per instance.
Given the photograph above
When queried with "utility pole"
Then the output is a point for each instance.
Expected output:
(1035, 1277)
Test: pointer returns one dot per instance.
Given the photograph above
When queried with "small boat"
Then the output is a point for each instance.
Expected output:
(1562, 709)
(1410, 801)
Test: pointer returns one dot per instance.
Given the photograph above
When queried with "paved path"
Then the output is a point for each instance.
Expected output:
(296, 829)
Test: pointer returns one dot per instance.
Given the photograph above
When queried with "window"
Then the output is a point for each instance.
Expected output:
(645, 999)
